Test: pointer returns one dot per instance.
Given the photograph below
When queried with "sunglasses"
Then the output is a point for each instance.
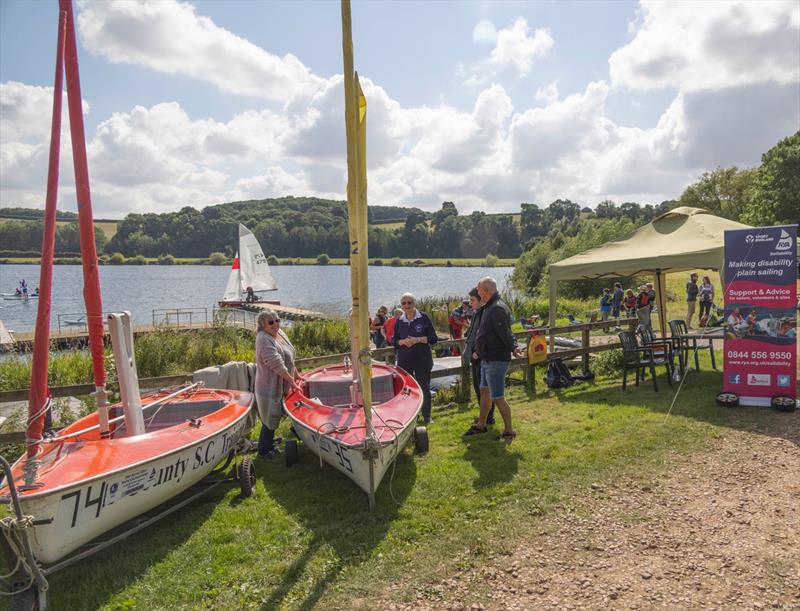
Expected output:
(406, 303)
(274, 322)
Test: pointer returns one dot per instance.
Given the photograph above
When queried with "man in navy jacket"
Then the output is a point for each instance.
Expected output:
(494, 345)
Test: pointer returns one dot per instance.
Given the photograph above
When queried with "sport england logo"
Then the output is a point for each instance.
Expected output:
(785, 241)
(784, 381)
(749, 238)
(735, 378)
(758, 379)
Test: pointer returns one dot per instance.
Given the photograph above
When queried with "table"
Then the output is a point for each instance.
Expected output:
(689, 341)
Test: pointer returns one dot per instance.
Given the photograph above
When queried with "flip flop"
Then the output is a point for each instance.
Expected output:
(507, 436)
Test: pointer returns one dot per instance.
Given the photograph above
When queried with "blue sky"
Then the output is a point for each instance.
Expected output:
(205, 102)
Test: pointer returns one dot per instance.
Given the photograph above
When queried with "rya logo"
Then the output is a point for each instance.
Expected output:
(785, 241)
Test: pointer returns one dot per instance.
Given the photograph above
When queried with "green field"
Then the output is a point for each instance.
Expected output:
(307, 540)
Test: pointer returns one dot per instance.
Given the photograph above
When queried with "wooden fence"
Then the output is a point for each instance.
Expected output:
(581, 354)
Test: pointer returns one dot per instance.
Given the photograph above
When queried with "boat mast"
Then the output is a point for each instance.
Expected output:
(91, 273)
(355, 108)
(38, 397)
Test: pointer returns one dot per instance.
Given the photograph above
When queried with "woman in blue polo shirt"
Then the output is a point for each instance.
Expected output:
(413, 337)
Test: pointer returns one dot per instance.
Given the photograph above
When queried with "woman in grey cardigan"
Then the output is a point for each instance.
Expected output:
(275, 376)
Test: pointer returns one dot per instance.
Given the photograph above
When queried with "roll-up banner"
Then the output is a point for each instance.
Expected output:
(761, 312)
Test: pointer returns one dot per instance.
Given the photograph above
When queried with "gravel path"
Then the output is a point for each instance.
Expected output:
(718, 529)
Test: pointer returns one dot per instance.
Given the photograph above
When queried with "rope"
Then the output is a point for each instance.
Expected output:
(30, 441)
(11, 528)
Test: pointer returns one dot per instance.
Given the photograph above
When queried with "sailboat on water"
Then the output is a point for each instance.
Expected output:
(249, 275)
(357, 416)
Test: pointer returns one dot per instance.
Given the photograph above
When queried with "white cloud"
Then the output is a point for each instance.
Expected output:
(516, 48)
(547, 94)
(170, 37)
(490, 157)
(697, 46)
(484, 32)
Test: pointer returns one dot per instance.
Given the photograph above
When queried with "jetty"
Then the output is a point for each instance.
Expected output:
(287, 312)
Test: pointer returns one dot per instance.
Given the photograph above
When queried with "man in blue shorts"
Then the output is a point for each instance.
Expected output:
(494, 345)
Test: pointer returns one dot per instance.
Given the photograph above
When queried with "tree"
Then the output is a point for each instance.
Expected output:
(532, 222)
(217, 258)
(323, 259)
(606, 209)
(723, 192)
(774, 198)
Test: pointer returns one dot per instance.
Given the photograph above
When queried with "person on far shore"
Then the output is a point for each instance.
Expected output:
(605, 304)
(643, 307)
(376, 326)
(388, 326)
(691, 298)
(276, 375)
(469, 354)
(651, 293)
(706, 298)
(630, 303)
(413, 337)
(617, 299)
(494, 345)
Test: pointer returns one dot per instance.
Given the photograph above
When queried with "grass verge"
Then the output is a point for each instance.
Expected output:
(306, 539)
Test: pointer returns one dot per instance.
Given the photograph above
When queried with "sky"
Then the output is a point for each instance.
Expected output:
(486, 104)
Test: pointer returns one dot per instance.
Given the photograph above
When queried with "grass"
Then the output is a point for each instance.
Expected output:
(307, 540)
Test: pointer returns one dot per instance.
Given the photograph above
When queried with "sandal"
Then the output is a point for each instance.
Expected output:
(508, 436)
(476, 429)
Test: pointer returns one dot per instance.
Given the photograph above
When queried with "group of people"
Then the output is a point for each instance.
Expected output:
(22, 290)
(642, 302)
(702, 293)
(488, 348)
(639, 304)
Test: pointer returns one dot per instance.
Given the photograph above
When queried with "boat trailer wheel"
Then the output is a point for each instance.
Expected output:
(783, 403)
(727, 399)
(290, 452)
(247, 476)
(421, 440)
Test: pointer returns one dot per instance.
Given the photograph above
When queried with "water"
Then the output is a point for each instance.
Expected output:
(142, 289)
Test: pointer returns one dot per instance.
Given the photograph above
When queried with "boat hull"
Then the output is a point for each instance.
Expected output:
(336, 433)
(242, 303)
(83, 510)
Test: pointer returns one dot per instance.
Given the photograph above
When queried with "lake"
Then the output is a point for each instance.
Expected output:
(144, 288)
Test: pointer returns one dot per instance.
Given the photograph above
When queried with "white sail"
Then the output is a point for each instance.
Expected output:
(233, 291)
(253, 266)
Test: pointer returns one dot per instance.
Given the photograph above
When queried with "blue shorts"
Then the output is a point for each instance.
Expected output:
(493, 377)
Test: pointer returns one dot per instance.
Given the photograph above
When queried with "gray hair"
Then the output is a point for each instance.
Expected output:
(488, 283)
(408, 296)
(266, 316)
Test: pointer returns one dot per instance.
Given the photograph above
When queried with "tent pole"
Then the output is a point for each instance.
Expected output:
(661, 291)
(551, 322)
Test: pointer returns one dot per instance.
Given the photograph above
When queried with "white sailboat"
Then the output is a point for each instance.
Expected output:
(250, 270)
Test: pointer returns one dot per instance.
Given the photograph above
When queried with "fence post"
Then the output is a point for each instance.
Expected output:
(585, 346)
(466, 381)
(530, 378)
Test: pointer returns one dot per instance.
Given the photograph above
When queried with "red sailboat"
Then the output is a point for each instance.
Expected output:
(125, 459)
(357, 419)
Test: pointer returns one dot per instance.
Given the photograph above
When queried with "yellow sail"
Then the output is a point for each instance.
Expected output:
(355, 108)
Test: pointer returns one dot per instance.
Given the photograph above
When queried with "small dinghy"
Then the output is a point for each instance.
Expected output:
(83, 484)
(249, 274)
(357, 419)
(327, 421)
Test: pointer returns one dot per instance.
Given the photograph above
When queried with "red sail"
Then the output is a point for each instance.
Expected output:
(38, 396)
(91, 274)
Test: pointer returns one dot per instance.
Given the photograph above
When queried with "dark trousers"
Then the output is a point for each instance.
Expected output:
(266, 440)
(476, 384)
(422, 374)
(705, 308)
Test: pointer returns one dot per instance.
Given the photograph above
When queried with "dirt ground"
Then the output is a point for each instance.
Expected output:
(719, 529)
